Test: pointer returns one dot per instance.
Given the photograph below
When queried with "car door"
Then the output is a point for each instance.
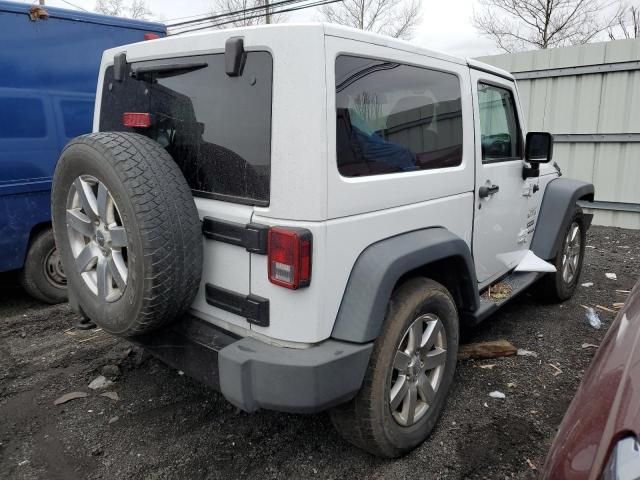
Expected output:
(500, 237)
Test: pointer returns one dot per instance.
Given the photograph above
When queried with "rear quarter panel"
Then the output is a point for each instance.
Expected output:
(362, 211)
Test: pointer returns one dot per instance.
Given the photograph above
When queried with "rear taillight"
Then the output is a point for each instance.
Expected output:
(151, 36)
(290, 257)
(136, 120)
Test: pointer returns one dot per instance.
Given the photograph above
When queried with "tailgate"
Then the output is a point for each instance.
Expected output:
(217, 128)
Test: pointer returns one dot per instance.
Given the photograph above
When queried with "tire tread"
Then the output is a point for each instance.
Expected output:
(167, 220)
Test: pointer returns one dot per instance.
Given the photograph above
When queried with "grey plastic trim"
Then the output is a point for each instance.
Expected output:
(596, 137)
(581, 70)
(190, 345)
(611, 206)
(251, 236)
(558, 203)
(380, 266)
(252, 307)
(255, 375)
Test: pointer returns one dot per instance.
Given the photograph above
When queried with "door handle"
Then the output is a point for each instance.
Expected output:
(484, 191)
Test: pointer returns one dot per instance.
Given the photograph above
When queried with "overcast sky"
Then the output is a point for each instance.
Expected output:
(445, 26)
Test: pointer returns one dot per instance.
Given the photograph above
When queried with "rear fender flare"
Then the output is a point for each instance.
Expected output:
(381, 265)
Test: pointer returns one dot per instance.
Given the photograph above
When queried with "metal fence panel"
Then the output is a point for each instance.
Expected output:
(589, 96)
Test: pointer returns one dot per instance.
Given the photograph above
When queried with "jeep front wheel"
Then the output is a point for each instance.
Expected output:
(561, 285)
(409, 374)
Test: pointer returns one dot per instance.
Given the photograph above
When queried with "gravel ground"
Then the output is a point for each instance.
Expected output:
(165, 425)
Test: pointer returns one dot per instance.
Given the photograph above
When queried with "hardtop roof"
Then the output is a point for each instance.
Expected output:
(314, 28)
(362, 36)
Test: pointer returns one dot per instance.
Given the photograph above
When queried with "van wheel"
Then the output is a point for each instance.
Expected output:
(128, 231)
(43, 275)
(409, 374)
(561, 285)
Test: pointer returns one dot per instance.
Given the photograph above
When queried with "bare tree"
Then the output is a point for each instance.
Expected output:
(516, 25)
(115, 8)
(369, 107)
(118, 8)
(627, 23)
(139, 9)
(245, 19)
(396, 18)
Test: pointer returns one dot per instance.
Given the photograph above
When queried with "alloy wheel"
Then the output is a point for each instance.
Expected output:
(98, 238)
(418, 369)
(571, 254)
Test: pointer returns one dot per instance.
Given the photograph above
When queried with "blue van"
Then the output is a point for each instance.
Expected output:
(49, 64)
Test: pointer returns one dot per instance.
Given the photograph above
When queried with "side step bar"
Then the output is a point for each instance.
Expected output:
(517, 281)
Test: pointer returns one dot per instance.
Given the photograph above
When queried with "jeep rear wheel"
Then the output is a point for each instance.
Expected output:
(409, 374)
(128, 231)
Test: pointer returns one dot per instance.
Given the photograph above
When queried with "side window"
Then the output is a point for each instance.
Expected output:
(499, 130)
(395, 118)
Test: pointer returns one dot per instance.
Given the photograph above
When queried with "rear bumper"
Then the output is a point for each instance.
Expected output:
(252, 374)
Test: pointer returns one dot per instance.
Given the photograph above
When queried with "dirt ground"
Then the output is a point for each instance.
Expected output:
(165, 425)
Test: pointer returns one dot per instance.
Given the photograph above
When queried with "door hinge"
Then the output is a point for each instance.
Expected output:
(252, 236)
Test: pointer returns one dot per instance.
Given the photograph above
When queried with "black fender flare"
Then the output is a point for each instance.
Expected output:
(556, 210)
(378, 269)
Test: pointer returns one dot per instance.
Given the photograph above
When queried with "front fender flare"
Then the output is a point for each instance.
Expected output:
(556, 211)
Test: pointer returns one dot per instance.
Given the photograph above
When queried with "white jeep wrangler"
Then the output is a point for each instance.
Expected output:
(304, 217)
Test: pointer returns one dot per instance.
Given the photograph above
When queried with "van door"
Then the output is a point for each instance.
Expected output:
(500, 236)
(217, 128)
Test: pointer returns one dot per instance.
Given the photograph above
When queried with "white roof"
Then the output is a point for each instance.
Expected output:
(330, 29)
(198, 39)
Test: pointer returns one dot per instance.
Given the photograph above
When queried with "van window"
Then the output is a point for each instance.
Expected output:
(217, 128)
(499, 131)
(395, 118)
(22, 118)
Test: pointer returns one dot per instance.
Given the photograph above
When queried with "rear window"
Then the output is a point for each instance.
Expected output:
(392, 117)
(217, 128)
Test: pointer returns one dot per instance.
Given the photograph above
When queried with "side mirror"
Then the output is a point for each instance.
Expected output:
(538, 147)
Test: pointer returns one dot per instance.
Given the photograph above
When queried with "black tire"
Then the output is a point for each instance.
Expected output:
(367, 421)
(43, 276)
(163, 234)
(553, 287)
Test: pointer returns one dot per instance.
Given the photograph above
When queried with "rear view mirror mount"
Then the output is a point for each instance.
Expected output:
(119, 67)
(234, 56)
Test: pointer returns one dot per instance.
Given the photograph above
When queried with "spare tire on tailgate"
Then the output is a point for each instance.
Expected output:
(128, 231)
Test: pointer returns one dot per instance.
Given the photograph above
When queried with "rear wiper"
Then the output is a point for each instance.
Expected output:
(165, 70)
